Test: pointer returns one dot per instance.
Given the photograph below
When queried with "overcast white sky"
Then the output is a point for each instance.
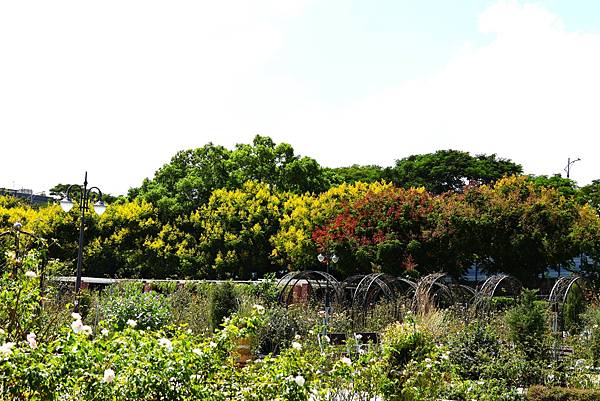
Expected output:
(117, 87)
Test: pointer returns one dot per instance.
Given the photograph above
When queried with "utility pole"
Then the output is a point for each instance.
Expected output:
(569, 164)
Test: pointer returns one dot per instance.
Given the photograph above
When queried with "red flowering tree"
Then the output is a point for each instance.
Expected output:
(387, 230)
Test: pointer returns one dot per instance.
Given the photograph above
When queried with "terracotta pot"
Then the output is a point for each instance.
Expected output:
(243, 351)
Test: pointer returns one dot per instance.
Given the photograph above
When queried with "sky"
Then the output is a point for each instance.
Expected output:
(117, 87)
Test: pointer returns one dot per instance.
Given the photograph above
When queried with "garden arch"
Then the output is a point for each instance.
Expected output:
(432, 290)
(498, 284)
(309, 285)
(559, 295)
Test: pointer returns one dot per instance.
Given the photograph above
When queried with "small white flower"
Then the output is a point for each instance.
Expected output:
(299, 380)
(259, 308)
(296, 345)
(109, 376)
(131, 323)
(198, 351)
(76, 326)
(30, 274)
(86, 330)
(346, 360)
(189, 331)
(104, 332)
(76, 316)
(212, 344)
(6, 349)
(31, 340)
(165, 342)
(358, 336)
(327, 338)
(297, 337)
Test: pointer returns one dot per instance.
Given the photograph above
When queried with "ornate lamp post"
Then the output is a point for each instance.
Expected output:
(85, 196)
(325, 259)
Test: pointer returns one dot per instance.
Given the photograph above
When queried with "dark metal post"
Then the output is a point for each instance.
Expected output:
(16, 250)
(82, 205)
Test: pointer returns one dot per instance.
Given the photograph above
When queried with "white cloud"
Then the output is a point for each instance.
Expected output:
(529, 94)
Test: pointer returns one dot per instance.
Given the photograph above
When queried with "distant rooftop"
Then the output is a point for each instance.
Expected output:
(33, 198)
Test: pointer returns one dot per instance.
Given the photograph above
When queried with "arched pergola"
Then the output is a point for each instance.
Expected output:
(559, 294)
(498, 284)
(432, 290)
(317, 286)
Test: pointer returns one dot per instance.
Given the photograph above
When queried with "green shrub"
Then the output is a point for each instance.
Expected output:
(473, 349)
(266, 290)
(540, 393)
(403, 342)
(528, 326)
(223, 302)
(190, 309)
(121, 303)
(502, 303)
(573, 309)
(591, 339)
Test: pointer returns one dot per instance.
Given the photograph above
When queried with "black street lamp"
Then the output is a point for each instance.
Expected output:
(569, 164)
(325, 259)
(85, 195)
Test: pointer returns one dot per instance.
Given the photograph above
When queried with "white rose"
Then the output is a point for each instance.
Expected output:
(109, 376)
(76, 316)
(31, 340)
(299, 380)
(131, 323)
(6, 349)
(30, 274)
(165, 342)
(296, 345)
(76, 326)
(104, 332)
(346, 360)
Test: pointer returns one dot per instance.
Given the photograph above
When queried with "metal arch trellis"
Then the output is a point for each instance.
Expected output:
(425, 296)
(491, 286)
(463, 294)
(349, 286)
(561, 288)
(366, 292)
(316, 280)
(558, 297)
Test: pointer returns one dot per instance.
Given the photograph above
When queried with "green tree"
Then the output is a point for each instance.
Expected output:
(591, 194)
(449, 170)
(528, 326)
(233, 230)
(564, 186)
(354, 173)
(187, 182)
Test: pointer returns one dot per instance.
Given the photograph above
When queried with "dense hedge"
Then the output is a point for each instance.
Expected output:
(541, 393)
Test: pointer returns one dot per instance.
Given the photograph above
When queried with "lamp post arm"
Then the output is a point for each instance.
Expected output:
(89, 192)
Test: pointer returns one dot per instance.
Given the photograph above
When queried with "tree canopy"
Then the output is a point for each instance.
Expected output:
(449, 170)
